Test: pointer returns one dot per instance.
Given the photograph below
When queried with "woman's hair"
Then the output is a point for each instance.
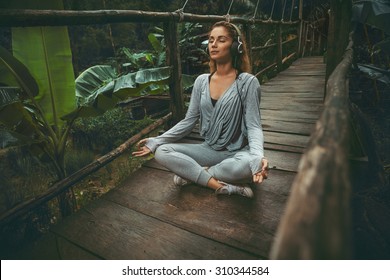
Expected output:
(240, 60)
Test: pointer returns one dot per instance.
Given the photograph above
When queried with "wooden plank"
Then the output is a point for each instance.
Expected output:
(233, 220)
(292, 91)
(291, 106)
(286, 139)
(288, 127)
(283, 148)
(289, 116)
(113, 232)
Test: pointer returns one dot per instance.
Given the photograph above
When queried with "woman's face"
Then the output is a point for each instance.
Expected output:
(219, 44)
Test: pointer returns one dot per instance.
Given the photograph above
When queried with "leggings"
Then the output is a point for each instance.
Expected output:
(199, 162)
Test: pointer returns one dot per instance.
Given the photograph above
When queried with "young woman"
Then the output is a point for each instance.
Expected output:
(226, 103)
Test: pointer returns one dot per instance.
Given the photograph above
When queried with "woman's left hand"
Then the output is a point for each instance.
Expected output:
(263, 173)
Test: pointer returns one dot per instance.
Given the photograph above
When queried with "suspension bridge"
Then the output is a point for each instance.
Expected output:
(147, 217)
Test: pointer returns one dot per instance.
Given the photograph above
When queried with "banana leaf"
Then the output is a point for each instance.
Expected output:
(99, 89)
(383, 46)
(187, 81)
(46, 53)
(11, 139)
(375, 73)
(372, 12)
(94, 81)
(18, 121)
(13, 73)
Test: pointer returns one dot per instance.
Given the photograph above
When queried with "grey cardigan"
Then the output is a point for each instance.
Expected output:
(232, 124)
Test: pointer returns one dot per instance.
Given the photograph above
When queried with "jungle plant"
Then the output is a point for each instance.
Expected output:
(373, 56)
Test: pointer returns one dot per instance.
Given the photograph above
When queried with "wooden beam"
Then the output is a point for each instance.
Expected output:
(17, 18)
(173, 59)
(339, 28)
(279, 50)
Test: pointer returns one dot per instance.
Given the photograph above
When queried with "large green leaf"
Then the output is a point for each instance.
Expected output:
(375, 73)
(98, 89)
(133, 84)
(14, 73)
(94, 81)
(372, 12)
(16, 119)
(46, 53)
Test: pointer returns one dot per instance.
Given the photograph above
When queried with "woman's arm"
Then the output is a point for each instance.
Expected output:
(185, 126)
(255, 135)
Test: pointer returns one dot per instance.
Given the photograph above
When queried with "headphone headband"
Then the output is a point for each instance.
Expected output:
(237, 47)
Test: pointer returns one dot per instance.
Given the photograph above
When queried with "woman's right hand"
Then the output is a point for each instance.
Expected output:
(142, 150)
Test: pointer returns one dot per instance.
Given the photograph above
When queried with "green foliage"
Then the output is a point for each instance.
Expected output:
(105, 132)
(372, 37)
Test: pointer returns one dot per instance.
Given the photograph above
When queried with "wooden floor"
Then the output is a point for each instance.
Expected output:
(149, 218)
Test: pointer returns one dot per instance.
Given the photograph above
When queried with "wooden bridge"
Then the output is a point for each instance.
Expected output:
(149, 218)
(301, 212)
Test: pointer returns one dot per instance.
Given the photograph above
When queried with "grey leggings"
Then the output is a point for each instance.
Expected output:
(189, 161)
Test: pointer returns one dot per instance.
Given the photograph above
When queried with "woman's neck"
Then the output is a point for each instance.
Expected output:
(225, 70)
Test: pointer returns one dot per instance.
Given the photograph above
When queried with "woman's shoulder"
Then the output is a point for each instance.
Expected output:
(202, 77)
(248, 77)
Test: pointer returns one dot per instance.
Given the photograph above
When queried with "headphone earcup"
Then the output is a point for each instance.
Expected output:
(234, 48)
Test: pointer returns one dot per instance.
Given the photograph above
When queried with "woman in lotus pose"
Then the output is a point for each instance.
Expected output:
(226, 103)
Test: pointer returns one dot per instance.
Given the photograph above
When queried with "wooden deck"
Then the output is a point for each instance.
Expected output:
(149, 218)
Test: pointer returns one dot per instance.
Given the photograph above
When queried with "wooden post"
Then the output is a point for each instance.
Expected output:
(300, 31)
(248, 38)
(173, 59)
(312, 39)
(279, 54)
(339, 28)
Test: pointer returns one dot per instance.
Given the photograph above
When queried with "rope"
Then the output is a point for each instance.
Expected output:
(257, 5)
(228, 12)
(284, 8)
(292, 8)
(272, 11)
(184, 5)
(181, 11)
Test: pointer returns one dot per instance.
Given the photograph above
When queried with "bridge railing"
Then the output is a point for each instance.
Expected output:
(317, 220)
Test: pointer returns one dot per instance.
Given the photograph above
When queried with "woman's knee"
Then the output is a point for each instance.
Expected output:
(162, 152)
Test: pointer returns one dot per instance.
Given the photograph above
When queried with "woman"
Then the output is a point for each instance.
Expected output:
(226, 103)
